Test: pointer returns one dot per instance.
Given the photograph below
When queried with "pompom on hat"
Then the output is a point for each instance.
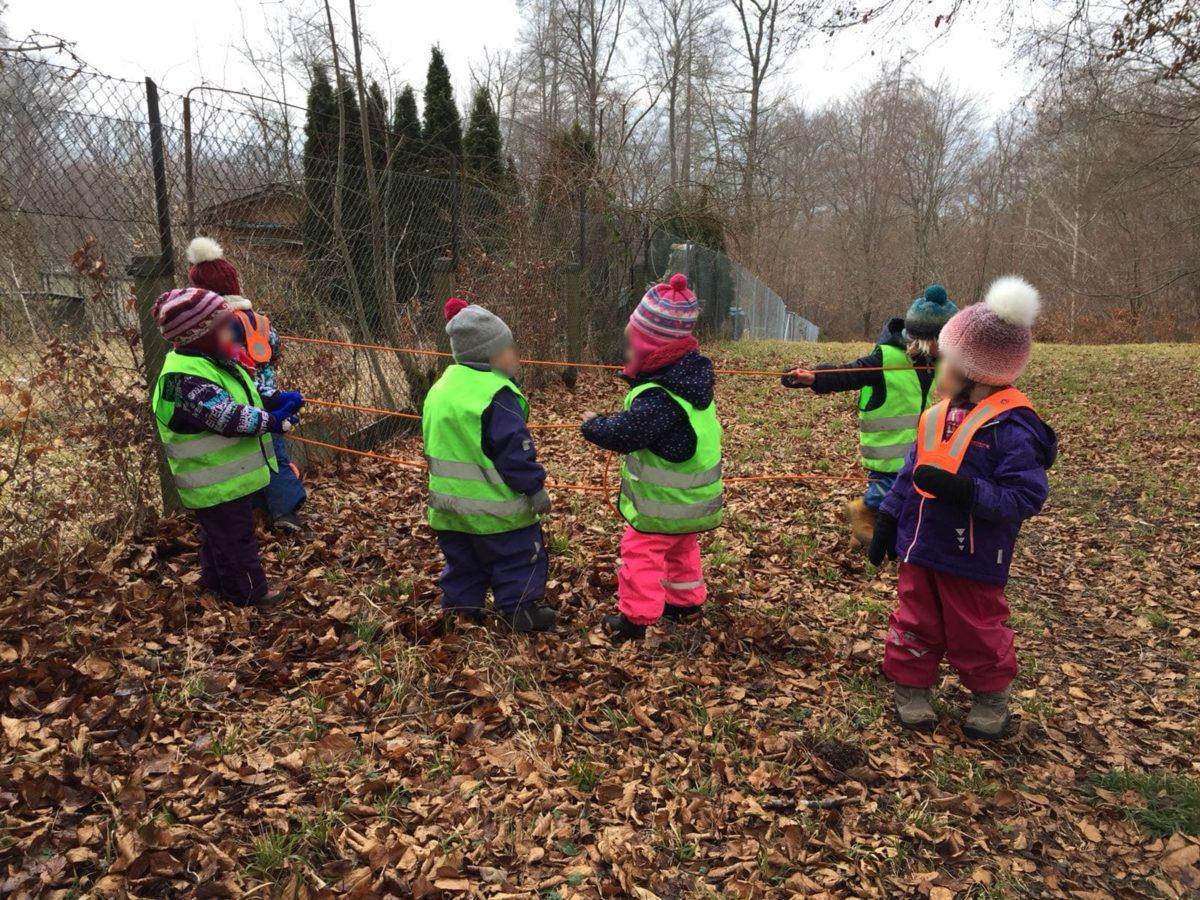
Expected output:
(991, 342)
(188, 315)
(209, 269)
(929, 313)
(668, 312)
(476, 335)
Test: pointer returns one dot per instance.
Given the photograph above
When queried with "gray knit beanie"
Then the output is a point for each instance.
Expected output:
(476, 335)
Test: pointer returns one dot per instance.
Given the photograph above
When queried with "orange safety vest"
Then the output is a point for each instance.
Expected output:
(257, 331)
(948, 454)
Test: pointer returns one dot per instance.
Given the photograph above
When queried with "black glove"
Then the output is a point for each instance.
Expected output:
(883, 540)
(791, 380)
(957, 490)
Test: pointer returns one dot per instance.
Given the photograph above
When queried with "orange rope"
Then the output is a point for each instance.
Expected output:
(410, 464)
(410, 415)
(367, 409)
(795, 476)
(340, 449)
(558, 363)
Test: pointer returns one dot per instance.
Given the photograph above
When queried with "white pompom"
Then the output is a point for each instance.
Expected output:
(1014, 300)
(203, 249)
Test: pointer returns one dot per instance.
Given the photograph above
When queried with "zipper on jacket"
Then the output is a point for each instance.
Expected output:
(916, 530)
(971, 530)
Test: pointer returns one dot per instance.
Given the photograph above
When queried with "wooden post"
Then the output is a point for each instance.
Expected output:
(149, 282)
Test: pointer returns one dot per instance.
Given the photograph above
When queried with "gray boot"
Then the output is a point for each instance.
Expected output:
(914, 709)
(988, 716)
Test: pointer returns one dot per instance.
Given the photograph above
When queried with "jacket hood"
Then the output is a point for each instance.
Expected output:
(1041, 435)
(691, 377)
(893, 333)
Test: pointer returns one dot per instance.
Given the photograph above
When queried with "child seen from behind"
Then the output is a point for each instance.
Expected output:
(487, 490)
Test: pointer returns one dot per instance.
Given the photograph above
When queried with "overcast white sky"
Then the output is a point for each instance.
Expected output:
(181, 43)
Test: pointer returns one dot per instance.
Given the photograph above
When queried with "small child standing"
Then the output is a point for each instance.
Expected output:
(487, 490)
(978, 471)
(895, 385)
(210, 270)
(671, 487)
(215, 428)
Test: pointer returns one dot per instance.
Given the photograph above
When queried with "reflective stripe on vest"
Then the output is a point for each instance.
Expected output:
(466, 493)
(662, 497)
(209, 468)
(886, 434)
(256, 330)
(948, 454)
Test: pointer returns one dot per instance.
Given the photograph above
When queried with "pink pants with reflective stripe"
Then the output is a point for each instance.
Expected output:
(657, 569)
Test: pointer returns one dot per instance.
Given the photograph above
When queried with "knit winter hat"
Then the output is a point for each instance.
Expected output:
(213, 272)
(990, 342)
(476, 335)
(666, 313)
(185, 315)
(928, 313)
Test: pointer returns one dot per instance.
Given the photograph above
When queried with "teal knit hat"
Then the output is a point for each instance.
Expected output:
(929, 313)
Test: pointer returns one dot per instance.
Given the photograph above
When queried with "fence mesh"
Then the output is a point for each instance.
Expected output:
(330, 240)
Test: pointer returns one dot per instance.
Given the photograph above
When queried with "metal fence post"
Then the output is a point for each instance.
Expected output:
(572, 297)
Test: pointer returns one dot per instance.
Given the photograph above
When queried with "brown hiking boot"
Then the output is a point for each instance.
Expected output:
(862, 522)
(988, 717)
(914, 709)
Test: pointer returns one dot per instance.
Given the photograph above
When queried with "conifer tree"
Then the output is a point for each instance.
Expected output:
(483, 153)
(442, 131)
(320, 164)
(406, 131)
(408, 200)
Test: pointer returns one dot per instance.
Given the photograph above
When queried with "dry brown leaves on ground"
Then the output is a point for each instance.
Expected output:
(157, 743)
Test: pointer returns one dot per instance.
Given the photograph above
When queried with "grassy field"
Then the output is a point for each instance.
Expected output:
(156, 741)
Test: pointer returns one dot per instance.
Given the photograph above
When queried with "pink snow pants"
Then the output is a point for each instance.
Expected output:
(948, 615)
(657, 569)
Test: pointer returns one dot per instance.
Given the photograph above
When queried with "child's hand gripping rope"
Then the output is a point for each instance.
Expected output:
(798, 378)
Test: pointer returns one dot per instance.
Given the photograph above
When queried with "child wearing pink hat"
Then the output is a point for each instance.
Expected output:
(671, 486)
(976, 473)
(216, 429)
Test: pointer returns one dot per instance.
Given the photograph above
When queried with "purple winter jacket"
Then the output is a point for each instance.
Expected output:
(1008, 459)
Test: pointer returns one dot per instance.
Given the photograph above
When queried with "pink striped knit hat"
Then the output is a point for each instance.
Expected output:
(667, 313)
(991, 342)
(185, 315)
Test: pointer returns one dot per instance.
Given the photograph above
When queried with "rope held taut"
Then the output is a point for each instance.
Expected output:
(559, 363)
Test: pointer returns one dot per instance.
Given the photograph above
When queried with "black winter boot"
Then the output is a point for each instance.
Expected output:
(530, 618)
(620, 629)
(681, 613)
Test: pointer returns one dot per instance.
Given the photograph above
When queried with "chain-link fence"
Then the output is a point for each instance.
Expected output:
(340, 228)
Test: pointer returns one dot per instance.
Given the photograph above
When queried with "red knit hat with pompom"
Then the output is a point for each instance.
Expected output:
(213, 272)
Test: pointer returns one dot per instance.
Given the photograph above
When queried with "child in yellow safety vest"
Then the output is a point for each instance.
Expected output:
(259, 344)
(487, 490)
(894, 382)
(671, 487)
(976, 473)
(216, 429)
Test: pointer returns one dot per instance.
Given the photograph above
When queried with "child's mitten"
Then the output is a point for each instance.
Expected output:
(958, 490)
(798, 378)
(540, 502)
(883, 539)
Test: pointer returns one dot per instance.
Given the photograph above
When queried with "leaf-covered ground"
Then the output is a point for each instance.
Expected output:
(156, 743)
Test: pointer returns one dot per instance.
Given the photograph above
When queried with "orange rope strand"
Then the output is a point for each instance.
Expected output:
(411, 415)
(557, 363)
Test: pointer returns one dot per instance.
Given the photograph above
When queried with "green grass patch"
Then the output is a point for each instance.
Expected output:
(1161, 803)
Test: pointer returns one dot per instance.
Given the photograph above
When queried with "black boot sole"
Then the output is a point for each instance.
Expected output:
(976, 734)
